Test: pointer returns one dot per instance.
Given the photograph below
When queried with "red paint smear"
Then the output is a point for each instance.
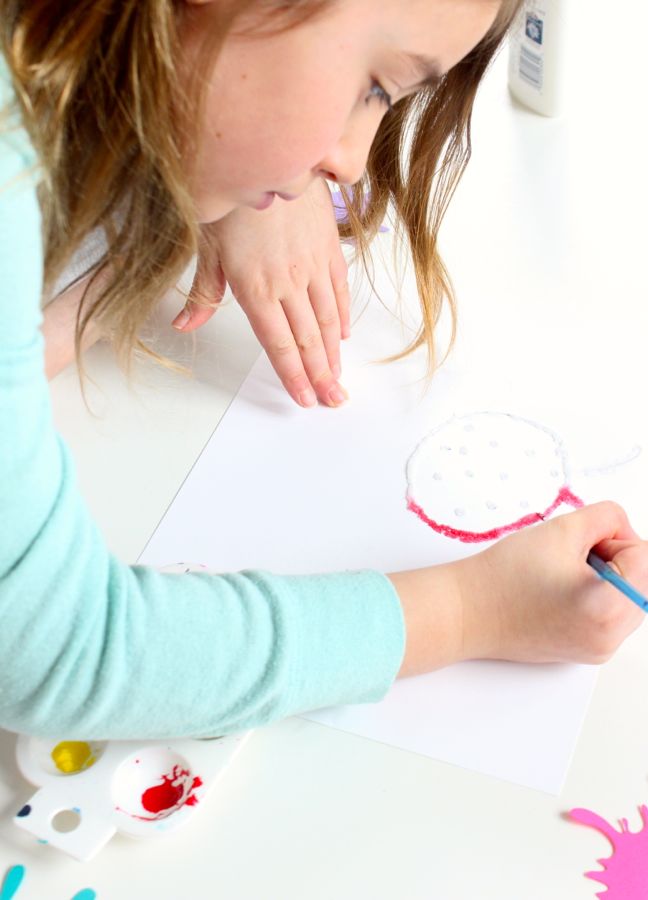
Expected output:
(475, 537)
(164, 799)
(192, 800)
(625, 873)
(168, 794)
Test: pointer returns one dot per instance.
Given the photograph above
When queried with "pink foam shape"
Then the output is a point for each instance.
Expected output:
(565, 496)
(625, 873)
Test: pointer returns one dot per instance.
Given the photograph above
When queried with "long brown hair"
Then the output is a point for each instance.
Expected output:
(123, 168)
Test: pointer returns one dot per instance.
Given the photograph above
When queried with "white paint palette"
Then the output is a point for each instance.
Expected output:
(90, 790)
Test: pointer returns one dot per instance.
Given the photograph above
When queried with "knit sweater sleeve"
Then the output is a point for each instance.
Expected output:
(92, 648)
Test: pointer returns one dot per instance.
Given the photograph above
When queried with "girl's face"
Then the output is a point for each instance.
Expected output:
(283, 109)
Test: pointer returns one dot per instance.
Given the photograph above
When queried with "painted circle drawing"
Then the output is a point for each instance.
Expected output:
(483, 475)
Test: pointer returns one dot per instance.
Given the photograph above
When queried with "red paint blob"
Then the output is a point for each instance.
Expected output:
(164, 796)
(475, 537)
(172, 794)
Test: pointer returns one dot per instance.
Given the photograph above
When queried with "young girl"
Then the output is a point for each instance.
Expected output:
(171, 127)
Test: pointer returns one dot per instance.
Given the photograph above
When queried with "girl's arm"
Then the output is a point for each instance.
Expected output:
(59, 321)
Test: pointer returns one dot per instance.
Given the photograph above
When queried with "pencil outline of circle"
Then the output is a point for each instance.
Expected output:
(463, 451)
(491, 505)
(554, 473)
(437, 476)
(459, 512)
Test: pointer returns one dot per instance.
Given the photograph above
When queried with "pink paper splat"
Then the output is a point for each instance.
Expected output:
(625, 873)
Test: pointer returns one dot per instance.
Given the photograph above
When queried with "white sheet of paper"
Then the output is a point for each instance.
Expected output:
(298, 491)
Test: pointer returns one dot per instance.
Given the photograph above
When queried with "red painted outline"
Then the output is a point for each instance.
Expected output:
(565, 495)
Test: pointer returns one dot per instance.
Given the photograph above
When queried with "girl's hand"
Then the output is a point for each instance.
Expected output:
(286, 269)
(533, 598)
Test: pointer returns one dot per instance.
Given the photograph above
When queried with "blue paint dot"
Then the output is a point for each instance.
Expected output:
(24, 811)
(76, 809)
(42, 841)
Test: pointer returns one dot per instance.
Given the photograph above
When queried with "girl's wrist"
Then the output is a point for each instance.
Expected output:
(448, 614)
(432, 604)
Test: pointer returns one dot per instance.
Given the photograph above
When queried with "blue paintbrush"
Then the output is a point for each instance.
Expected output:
(608, 574)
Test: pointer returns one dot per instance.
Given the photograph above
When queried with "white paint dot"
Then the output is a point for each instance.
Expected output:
(460, 512)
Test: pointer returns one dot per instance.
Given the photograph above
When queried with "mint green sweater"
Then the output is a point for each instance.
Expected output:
(92, 648)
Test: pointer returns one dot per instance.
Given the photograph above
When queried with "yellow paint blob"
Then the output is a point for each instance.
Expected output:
(73, 756)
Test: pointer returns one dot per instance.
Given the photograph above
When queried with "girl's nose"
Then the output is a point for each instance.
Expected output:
(346, 162)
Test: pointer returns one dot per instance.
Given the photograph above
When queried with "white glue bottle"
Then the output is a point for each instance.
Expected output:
(537, 53)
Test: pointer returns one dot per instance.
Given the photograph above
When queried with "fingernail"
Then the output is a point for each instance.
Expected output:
(337, 396)
(181, 319)
(307, 398)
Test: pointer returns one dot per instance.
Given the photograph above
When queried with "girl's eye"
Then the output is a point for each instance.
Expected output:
(377, 90)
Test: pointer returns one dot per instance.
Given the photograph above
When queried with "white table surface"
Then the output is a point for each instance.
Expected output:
(307, 812)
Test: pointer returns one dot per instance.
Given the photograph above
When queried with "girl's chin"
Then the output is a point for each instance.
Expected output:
(212, 210)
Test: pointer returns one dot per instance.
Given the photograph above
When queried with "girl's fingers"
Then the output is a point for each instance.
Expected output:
(325, 309)
(604, 522)
(194, 315)
(309, 339)
(629, 559)
(204, 299)
(340, 280)
(274, 333)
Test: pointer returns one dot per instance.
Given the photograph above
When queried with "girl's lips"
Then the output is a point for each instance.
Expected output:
(268, 198)
(266, 201)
